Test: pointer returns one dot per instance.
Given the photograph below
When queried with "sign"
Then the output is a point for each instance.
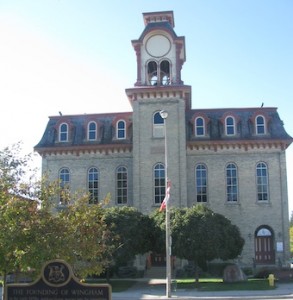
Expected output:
(58, 282)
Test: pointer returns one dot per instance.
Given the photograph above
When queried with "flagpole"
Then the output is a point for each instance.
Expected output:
(164, 115)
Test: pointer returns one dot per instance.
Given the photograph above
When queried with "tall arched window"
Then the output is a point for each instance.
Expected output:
(165, 72)
(230, 126)
(92, 131)
(159, 183)
(121, 129)
(201, 183)
(121, 185)
(93, 185)
(260, 125)
(63, 132)
(64, 180)
(199, 126)
(153, 73)
(262, 182)
(158, 125)
(232, 182)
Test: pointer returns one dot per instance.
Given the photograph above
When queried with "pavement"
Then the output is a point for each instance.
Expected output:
(156, 289)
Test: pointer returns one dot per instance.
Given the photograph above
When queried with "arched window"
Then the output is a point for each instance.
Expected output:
(121, 185)
(201, 183)
(92, 131)
(64, 180)
(165, 72)
(260, 125)
(93, 185)
(159, 73)
(159, 183)
(153, 73)
(230, 126)
(158, 125)
(232, 182)
(121, 129)
(262, 182)
(199, 126)
(63, 132)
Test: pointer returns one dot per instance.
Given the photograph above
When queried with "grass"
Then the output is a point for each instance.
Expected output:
(214, 284)
(206, 284)
(118, 285)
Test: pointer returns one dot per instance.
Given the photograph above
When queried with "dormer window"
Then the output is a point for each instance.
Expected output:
(63, 132)
(260, 125)
(92, 131)
(121, 129)
(230, 126)
(199, 127)
(159, 74)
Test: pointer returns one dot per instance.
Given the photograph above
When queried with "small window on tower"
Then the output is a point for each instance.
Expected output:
(165, 72)
(153, 73)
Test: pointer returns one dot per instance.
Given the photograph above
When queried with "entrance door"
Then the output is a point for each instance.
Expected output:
(158, 260)
(264, 247)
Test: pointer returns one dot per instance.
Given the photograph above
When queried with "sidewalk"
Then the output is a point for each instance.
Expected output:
(155, 289)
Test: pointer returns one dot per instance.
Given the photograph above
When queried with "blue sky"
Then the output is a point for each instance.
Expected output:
(75, 56)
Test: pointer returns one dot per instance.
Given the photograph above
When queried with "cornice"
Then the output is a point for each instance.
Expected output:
(83, 149)
(239, 144)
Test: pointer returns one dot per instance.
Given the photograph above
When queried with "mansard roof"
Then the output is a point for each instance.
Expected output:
(214, 118)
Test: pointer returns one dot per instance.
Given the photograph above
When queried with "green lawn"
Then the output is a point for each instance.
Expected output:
(206, 284)
(215, 284)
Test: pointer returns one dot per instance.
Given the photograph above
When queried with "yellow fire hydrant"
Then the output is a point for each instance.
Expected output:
(271, 280)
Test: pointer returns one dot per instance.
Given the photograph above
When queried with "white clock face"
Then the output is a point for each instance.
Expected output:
(158, 46)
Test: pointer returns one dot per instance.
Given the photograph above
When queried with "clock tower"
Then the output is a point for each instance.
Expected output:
(160, 55)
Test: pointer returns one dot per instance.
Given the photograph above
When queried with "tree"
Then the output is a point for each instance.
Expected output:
(31, 234)
(134, 233)
(89, 241)
(200, 235)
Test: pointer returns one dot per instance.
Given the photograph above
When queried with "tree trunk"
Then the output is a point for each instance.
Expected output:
(196, 274)
(4, 286)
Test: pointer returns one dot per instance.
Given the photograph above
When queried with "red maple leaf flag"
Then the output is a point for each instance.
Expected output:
(167, 196)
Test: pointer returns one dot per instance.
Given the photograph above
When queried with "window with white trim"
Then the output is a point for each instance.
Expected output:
(199, 126)
(64, 180)
(159, 183)
(92, 131)
(201, 183)
(260, 125)
(121, 129)
(231, 182)
(121, 185)
(93, 185)
(63, 132)
(230, 126)
(262, 182)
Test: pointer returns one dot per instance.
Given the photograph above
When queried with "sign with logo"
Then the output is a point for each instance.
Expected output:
(58, 282)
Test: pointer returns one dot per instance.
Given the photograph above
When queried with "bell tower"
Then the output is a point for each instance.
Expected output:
(160, 55)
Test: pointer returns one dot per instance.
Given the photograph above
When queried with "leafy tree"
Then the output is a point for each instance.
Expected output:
(291, 219)
(89, 242)
(134, 233)
(31, 234)
(199, 235)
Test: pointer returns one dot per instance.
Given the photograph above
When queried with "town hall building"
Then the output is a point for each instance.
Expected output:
(232, 160)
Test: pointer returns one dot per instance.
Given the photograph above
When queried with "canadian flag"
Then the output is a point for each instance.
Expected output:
(167, 196)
